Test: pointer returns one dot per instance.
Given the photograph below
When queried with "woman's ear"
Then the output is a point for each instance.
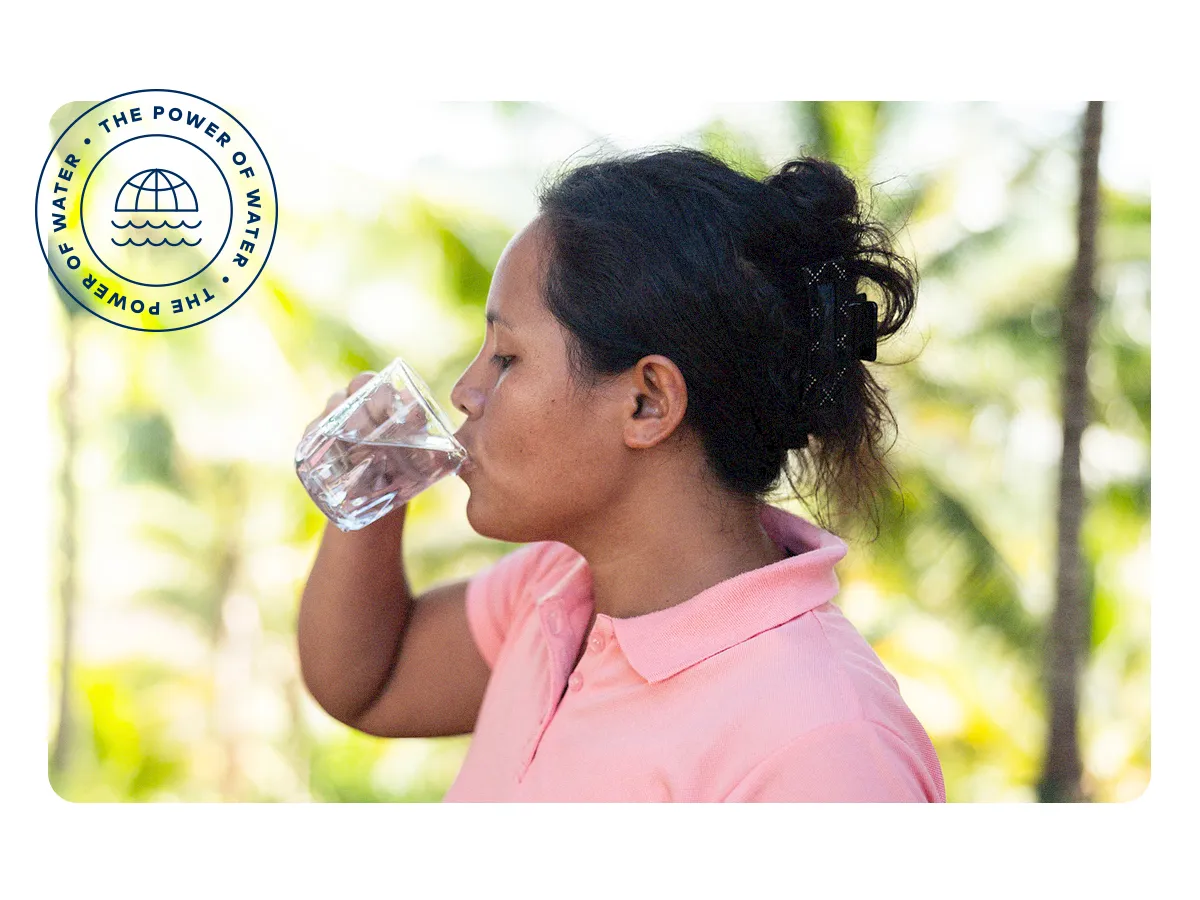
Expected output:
(659, 400)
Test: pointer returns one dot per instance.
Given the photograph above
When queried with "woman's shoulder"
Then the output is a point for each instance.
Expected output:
(863, 690)
(817, 670)
(831, 685)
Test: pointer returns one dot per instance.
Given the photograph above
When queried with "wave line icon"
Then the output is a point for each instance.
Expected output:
(163, 224)
(180, 243)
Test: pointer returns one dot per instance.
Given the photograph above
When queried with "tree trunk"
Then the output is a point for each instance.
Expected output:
(68, 544)
(1069, 635)
(68, 411)
(231, 659)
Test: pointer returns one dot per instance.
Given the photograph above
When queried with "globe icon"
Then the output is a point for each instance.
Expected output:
(156, 190)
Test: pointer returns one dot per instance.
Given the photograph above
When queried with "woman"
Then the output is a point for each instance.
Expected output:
(660, 337)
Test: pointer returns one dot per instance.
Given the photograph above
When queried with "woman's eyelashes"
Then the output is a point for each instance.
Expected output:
(503, 361)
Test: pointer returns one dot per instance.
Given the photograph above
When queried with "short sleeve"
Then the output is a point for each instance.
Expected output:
(846, 762)
(497, 593)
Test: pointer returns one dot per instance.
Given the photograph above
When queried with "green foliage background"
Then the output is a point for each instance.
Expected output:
(194, 537)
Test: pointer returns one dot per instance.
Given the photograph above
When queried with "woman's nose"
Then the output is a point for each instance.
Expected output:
(465, 397)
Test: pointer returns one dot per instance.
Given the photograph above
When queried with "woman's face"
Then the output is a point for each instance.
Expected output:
(542, 460)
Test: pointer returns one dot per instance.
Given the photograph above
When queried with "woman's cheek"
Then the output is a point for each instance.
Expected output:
(522, 429)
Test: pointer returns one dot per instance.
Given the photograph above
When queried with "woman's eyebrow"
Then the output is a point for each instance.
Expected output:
(496, 319)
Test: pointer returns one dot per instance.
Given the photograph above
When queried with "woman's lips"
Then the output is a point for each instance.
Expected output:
(466, 468)
(468, 465)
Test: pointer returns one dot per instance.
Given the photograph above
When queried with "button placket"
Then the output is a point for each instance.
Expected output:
(555, 624)
(594, 646)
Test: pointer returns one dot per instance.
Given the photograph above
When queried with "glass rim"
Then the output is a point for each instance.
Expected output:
(424, 396)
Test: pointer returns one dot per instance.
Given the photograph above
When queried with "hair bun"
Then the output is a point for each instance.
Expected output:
(821, 187)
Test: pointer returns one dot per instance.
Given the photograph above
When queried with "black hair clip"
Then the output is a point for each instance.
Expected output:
(844, 319)
(844, 327)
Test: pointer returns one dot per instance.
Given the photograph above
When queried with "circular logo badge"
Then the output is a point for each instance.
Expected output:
(156, 210)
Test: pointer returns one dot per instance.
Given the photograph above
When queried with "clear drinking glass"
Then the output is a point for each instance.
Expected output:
(385, 444)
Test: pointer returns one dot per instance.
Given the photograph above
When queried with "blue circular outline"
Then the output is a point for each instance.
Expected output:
(96, 253)
(50, 155)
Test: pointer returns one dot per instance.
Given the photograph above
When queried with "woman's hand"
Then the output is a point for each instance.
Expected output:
(367, 417)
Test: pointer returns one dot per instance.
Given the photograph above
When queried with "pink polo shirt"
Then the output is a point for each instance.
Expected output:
(757, 688)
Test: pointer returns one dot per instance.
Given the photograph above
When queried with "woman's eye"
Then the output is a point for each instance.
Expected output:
(503, 361)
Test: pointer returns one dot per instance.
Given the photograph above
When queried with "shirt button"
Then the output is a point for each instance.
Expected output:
(596, 644)
(575, 681)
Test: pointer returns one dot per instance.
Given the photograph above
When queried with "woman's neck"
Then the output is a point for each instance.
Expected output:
(656, 555)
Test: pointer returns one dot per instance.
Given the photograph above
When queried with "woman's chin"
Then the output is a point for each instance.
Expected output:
(486, 523)
(477, 516)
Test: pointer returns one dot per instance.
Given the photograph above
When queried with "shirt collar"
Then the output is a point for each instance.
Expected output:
(663, 643)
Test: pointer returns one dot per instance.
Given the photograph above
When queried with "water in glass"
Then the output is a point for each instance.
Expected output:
(356, 482)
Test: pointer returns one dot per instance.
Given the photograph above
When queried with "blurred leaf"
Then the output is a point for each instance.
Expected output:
(844, 132)
(69, 303)
(200, 607)
(1105, 606)
(1117, 518)
(976, 582)
(1021, 338)
(66, 114)
(988, 590)
(895, 201)
(309, 337)
(1124, 226)
(127, 733)
(466, 276)
(735, 149)
(148, 453)
(1132, 363)
(967, 248)
(340, 770)
(514, 110)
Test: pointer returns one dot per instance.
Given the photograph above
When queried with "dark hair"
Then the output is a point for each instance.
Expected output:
(672, 251)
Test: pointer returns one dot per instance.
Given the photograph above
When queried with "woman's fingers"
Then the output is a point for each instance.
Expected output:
(417, 417)
(337, 398)
(358, 381)
(361, 422)
(331, 404)
(381, 406)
